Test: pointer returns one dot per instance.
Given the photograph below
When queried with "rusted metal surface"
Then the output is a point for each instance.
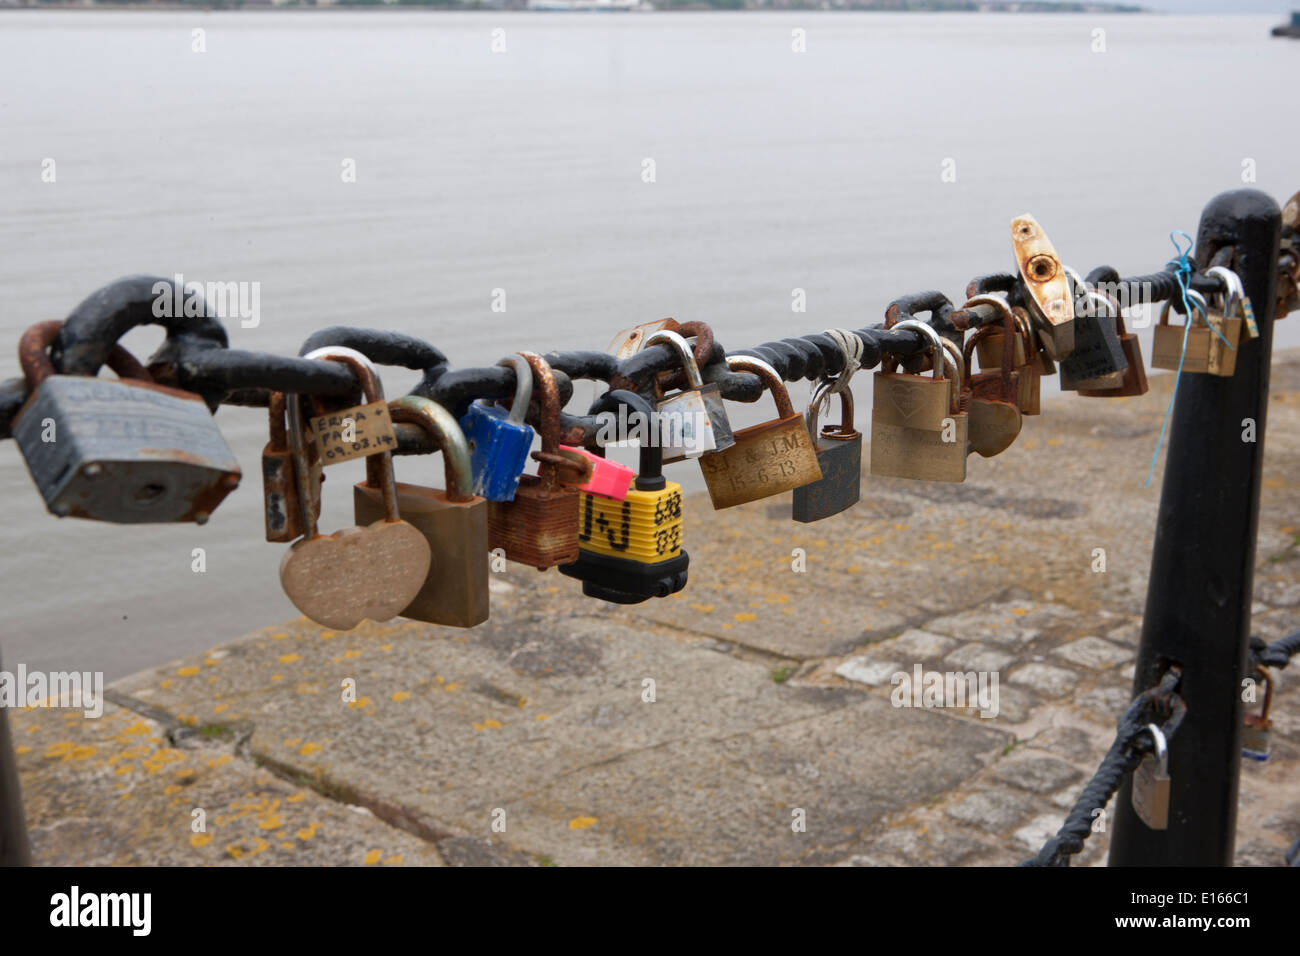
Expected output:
(1046, 283)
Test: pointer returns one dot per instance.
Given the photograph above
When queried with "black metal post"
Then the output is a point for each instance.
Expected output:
(14, 850)
(1203, 561)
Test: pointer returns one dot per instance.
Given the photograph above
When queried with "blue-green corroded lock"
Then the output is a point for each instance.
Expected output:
(499, 443)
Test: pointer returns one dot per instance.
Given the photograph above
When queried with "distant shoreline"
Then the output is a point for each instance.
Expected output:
(813, 8)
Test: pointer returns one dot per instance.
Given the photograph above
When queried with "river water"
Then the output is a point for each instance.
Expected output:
(522, 168)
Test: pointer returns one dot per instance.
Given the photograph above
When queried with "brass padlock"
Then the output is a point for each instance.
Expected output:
(1135, 373)
(918, 428)
(128, 450)
(1044, 278)
(766, 459)
(452, 520)
(1026, 358)
(1098, 357)
(994, 414)
(374, 572)
(1211, 346)
(280, 480)
(540, 526)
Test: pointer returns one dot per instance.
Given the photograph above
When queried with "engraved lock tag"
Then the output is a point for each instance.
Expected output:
(766, 459)
(1049, 302)
(374, 572)
(918, 429)
(1211, 340)
(452, 520)
(539, 526)
(499, 443)
(692, 421)
(631, 550)
(839, 456)
(127, 451)
(1151, 784)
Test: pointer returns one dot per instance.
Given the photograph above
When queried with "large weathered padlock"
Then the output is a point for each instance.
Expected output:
(1097, 360)
(631, 550)
(1211, 344)
(692, 421)
(1049, 302)
(283, 516)
(127, 451)
(539, 527)
(1134, 381)
(918, 429)
(453, 521)
(374, 572)
(767, 458)
(994, 414)
(499, 442)
(839, 456)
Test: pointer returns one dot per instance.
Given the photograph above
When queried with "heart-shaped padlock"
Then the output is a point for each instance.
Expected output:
(374, 572)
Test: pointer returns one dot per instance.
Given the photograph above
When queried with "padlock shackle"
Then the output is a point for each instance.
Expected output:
(1233, 291)
(1008, 330)
(1196, 297)
(772, 382)
(548, 425)
(34, 357)
(446, 432)
(683, 350)
(845, 430)
(379, 467)
(650, 469)
(523, 388)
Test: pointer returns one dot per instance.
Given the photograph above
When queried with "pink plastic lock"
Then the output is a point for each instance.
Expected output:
(608, 478)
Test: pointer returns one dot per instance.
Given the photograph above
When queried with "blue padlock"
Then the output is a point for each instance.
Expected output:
(499, 442)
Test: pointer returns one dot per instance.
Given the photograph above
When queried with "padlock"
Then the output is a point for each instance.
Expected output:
(766, 459)
(1211, 345)
(1258, 728)
(280, 508)
(1026, 358)
(127, 451)
(1097, 360)
(1044, 278)
(499, 442)
(1135, 373)
(918, 428)
(1046, 367)
(994, 415)
(1235, 300)
(453, 521)
(539, 527)
(606, 478)
(373, 572)
(631, 551)
(692, 421)
(1151, 784)
(839, 456)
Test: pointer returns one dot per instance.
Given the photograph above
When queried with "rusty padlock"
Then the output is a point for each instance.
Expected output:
(1044, 278)
(374, 572)
(994, 413)
(767, 458)
(540, 526)
(128, 451)
(283, 516)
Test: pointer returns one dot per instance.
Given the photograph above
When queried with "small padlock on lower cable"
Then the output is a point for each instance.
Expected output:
(452, 520)
(357, 573)
(1257, 729)
(631, 550)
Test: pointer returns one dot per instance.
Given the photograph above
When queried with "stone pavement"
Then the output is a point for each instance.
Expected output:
(701, 728)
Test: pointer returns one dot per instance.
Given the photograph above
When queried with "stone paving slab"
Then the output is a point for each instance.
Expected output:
(747, 720)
